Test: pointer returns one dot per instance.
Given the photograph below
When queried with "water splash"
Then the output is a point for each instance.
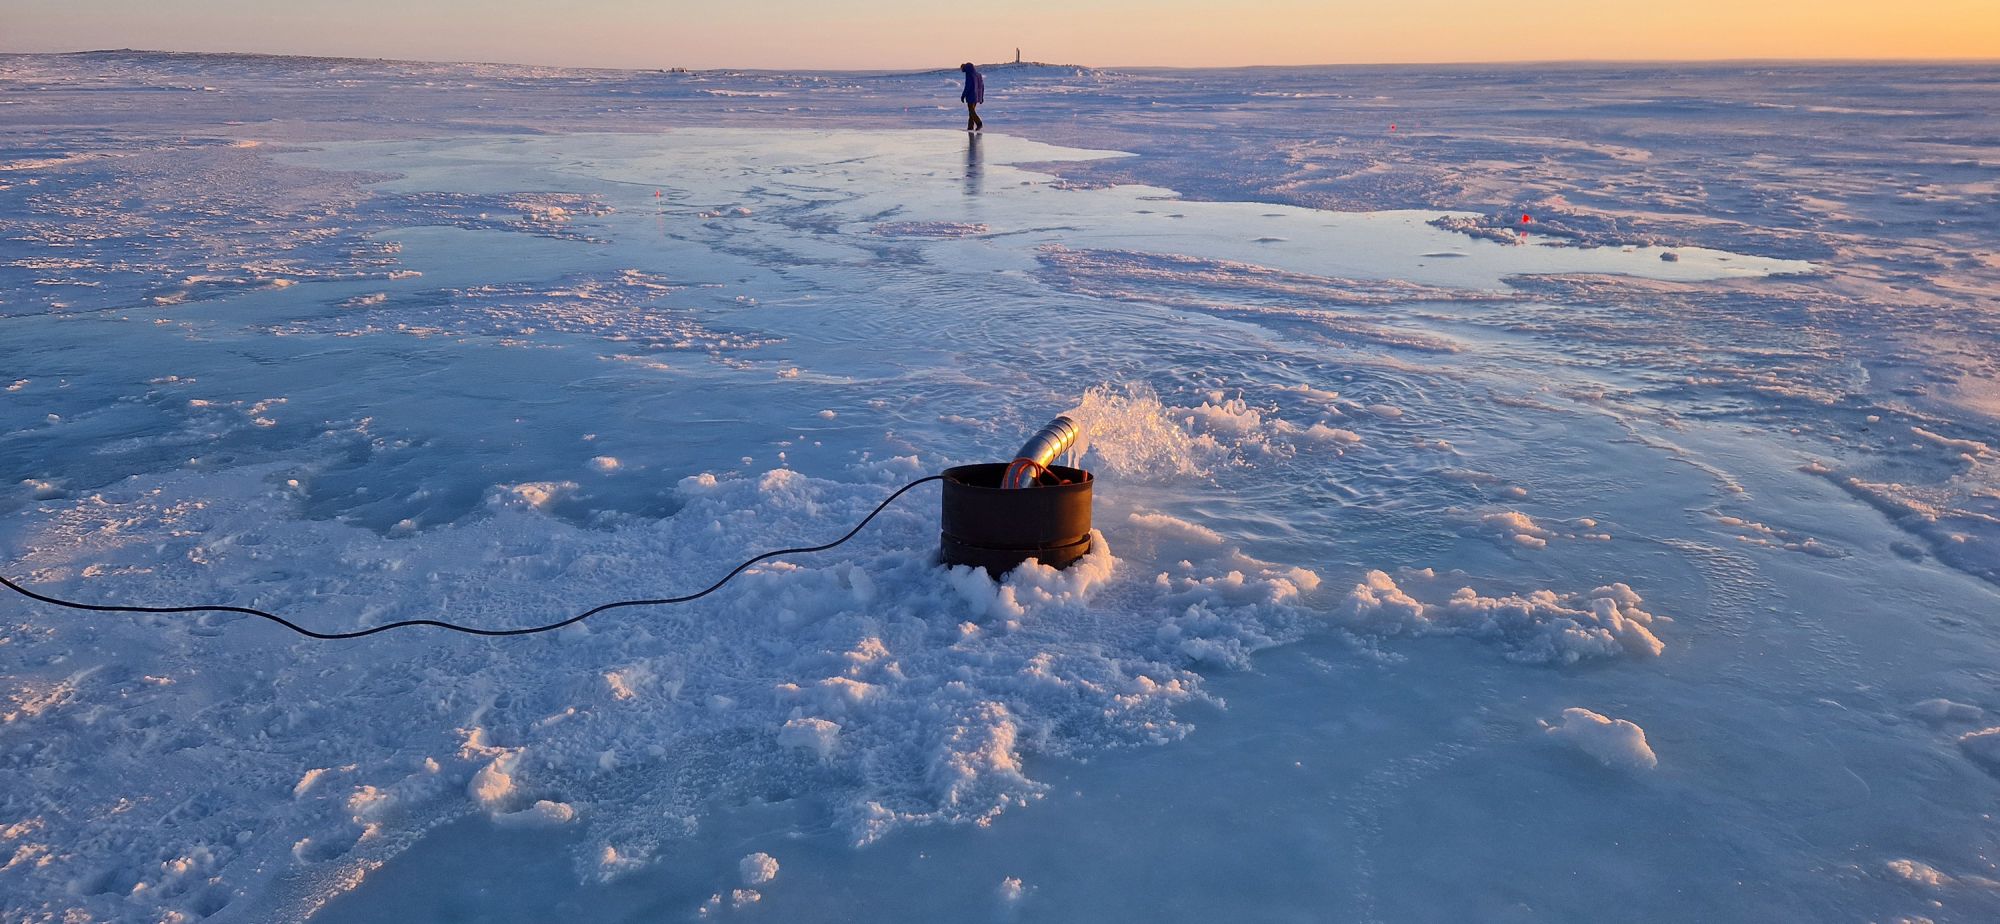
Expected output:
(1128, 431)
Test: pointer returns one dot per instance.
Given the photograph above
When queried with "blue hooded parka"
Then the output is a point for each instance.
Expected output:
(975, 85)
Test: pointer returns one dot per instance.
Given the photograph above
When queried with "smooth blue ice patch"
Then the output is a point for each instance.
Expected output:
(810, 196)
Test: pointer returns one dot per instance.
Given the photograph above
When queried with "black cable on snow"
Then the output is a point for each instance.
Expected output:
(455, 627)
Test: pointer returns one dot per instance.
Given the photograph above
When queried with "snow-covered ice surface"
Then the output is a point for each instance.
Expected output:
(1639, 560)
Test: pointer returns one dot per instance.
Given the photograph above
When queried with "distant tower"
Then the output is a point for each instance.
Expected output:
(1017, 56)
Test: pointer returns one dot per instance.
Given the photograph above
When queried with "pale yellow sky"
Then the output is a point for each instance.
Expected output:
(925, 33)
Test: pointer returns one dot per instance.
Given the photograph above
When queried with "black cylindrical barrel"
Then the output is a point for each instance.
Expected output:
(991, 527)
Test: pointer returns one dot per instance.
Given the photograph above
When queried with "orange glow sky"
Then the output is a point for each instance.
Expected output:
(869, 34)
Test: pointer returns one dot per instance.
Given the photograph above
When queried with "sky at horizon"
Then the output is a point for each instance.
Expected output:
(866, 34)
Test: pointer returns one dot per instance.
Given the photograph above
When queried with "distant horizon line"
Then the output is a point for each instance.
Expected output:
(1154, 67)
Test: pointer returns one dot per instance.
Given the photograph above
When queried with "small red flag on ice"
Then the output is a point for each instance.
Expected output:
(1525, 219)
(1392, 126)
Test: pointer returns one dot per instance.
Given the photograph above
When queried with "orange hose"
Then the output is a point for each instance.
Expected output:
(1035, 469)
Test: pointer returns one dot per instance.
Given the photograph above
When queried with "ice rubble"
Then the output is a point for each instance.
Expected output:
(859, 667)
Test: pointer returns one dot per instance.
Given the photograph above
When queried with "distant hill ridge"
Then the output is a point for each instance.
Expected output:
(1018, 66)
(247, 57)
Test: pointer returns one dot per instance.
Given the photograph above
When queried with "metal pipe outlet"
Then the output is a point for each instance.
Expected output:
(1040, 452)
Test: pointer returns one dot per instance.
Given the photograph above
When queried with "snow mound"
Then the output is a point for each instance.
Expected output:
(539, 495)
(1516, 528)
(1011, 890)
(1917, 873)
(758, 868)
(1983, 747)
(1538, 627)
(543, 814)
(818, 736)
(1615, 742)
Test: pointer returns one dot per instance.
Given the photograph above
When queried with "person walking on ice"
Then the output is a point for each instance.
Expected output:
(975, 93)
